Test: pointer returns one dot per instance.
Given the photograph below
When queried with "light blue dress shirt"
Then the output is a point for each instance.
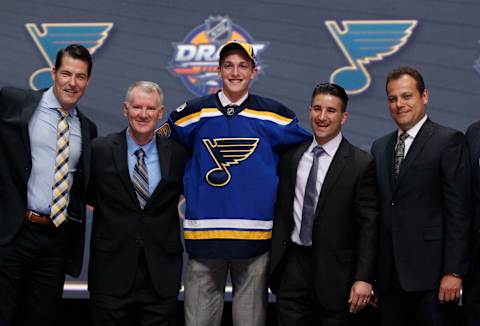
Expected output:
(152, 160)
(42, 129)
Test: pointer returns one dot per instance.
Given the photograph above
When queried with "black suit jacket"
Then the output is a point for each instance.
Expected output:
(16, 109)
(344, 239)
(120, 226)
(425, 220)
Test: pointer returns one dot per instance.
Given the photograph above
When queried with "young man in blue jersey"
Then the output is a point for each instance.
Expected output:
(230, 187)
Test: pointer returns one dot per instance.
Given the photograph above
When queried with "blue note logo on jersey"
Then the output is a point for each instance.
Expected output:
(195, 60)
(53, 37)
(364, 41)
(226, 152)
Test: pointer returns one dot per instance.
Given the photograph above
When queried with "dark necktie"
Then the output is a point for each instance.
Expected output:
(309, 199)
(399, 153)
(60, 198)
(140, 178)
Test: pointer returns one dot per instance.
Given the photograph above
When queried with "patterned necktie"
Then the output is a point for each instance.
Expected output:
(140, 178)
(399, 153)
(309, 199)
(60, 199)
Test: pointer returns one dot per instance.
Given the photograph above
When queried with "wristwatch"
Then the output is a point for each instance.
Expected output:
(455, 275)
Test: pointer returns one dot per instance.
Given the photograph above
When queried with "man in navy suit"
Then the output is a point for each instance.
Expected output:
(37, 245)
(423, 179)
(136, 252)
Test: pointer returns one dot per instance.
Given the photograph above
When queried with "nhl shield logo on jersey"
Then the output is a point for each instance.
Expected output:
(226, 152)
(195, 60)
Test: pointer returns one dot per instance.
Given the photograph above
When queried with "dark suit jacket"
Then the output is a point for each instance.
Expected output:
(472, 288)
(120, 226)
(344, 239)
(16, 109)
(425, 221)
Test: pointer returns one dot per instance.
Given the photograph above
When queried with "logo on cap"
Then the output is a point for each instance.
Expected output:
(195, 60)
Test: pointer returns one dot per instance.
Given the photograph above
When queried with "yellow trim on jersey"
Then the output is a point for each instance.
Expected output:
(196, 116)
(267, 114)
(227, 234)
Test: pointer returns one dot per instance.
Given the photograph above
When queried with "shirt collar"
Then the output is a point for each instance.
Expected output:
(224, 100)
(412, 132)
(50, 101)
(329, 147)
(132, 146)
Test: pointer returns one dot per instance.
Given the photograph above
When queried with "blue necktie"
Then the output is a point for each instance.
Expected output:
(309, 199)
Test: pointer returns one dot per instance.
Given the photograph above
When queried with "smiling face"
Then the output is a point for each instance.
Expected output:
(407, 105)
(70, 81)
(326, 117)
(236, 71)
(143, 110)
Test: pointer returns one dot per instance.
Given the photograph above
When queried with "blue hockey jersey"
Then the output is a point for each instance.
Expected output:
(231, 180)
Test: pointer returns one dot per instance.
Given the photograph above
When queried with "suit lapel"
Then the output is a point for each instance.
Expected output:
(389, 154)
(297, 155)
(119, 151)
(30, 104)
(416, 148)
(334, 171)
(163, 147)
(85, 155)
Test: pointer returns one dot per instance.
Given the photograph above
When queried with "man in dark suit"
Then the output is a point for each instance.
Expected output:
(422, 177)
(45, 154)
(136, 252)
(325, 227)
(472, 284)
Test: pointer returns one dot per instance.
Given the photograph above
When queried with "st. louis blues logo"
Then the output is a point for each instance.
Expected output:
(364, 41)
(226, 152)
(54, 37)
(195, 59)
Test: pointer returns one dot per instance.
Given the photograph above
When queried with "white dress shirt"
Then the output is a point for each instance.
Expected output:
(303, 170)
(412, 133)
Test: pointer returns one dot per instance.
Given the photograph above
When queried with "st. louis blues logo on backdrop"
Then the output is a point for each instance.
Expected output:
(364, 41)
(195, 60)
(53, 37)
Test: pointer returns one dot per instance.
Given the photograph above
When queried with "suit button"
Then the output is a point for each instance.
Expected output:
(392, 203)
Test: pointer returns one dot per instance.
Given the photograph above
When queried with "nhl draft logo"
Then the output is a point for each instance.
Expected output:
(54, 37)
(364, 41)
(195, 60)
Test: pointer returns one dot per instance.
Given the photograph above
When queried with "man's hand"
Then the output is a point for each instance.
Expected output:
(450, 287)
(359, 296)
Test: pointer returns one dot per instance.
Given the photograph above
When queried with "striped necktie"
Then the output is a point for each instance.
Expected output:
(60, 199)
(140, 178)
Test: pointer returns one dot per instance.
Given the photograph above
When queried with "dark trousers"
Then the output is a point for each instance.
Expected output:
(297, 303)
(422, 308)
(140, 306)
(471, 293)
(32, 273)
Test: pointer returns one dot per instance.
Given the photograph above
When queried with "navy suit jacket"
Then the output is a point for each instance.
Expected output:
(16, 109)
(425, 217)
